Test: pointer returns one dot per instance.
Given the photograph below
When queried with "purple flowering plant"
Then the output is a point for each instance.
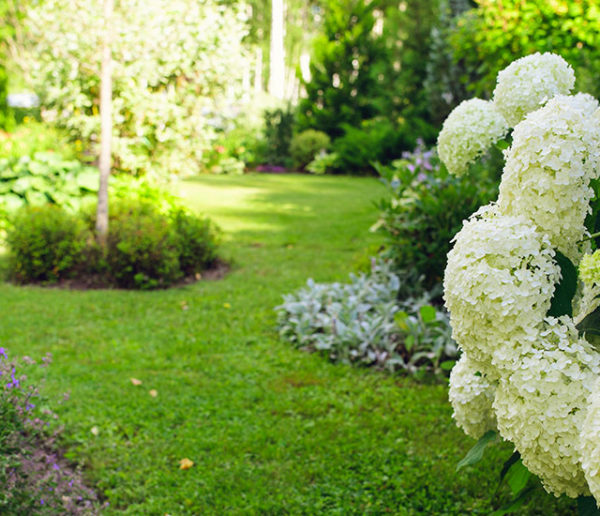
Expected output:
(35, 477)
(424, 209)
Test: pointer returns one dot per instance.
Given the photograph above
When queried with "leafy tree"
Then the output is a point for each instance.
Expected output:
(177, 66)
(490, 37)
(346, 68)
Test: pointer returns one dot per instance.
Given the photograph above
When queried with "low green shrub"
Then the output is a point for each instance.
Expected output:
(375, 140)
(142, 247)
(426, 208)
(365, 322)
(32, 136)
(278, 130)
(46, 243)
(197, 241)
(305, 146)
(152, 242)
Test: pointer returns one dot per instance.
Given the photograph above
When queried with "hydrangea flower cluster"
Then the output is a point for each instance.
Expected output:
(527, 83)
(468, 132)
(530, 375)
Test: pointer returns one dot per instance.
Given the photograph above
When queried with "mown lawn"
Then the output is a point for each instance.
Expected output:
(271, 430)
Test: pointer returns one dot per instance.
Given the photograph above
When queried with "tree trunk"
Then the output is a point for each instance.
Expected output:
(105, 126)
(277, 62)
(258, 69)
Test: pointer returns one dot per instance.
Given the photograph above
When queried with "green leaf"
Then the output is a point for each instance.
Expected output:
(428, 313)
(590, 323)
(562, 301)
(517, 477)
(516, 503)
(586, 506)
(409, 342)
(447, 365)
(511, 460)
(475, 454)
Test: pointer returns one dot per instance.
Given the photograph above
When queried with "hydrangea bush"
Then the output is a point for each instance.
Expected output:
(525, 322)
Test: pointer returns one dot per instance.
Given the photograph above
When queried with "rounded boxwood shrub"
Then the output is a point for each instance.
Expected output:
(306, 145)
(46, 244)
(150, 244)
(142, 247)
(196, 241)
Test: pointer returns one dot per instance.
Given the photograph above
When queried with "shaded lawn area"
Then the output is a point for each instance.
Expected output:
(271, 430)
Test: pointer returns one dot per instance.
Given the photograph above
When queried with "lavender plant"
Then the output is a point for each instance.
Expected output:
(35, 478)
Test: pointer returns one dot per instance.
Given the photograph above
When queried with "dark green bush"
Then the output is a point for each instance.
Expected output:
(306, 145)
(46, 244)
(142, 250)
(196, 241)
(278, 130)
(152, 242)
(426, 209)
(375, 140)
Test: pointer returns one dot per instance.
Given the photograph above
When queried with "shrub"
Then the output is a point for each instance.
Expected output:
(375, 140)
(46, 244)
(364, 322)
(306, 145)
(196, 241)
(142, 247)
(278, 135)
(426, 209)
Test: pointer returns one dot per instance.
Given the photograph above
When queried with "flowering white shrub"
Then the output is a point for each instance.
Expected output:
(472, 396)
(511, 285)
(527, 83)
(472, 127)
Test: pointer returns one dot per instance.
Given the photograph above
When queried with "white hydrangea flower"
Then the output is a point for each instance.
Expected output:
(498, 286)
(589, 268)
(542, 405)
(548, 169)
(590, 442)
(471, 395)
(527, 83)
(470, 130)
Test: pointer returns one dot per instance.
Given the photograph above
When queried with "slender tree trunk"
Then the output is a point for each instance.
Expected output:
(105, 126)
(277, 58)
(258, 70)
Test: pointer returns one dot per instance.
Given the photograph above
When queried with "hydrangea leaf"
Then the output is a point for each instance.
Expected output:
(517, 477)
(586, 506)
(516, 456)
(590, 323)
(562, 301)
(475, 454)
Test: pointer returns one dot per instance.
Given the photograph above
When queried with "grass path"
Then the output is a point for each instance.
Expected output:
(271, 430)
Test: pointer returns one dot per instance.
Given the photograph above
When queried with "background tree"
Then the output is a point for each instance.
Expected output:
(488, 38)
(346, 68)
(178, 70)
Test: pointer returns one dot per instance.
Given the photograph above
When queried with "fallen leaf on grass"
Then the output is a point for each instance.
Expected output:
(135, 381)
(185, 464)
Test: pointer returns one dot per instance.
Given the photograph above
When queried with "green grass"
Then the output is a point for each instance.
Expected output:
(271, 430)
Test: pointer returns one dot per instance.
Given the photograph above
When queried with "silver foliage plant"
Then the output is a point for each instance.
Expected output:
(364, 321)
